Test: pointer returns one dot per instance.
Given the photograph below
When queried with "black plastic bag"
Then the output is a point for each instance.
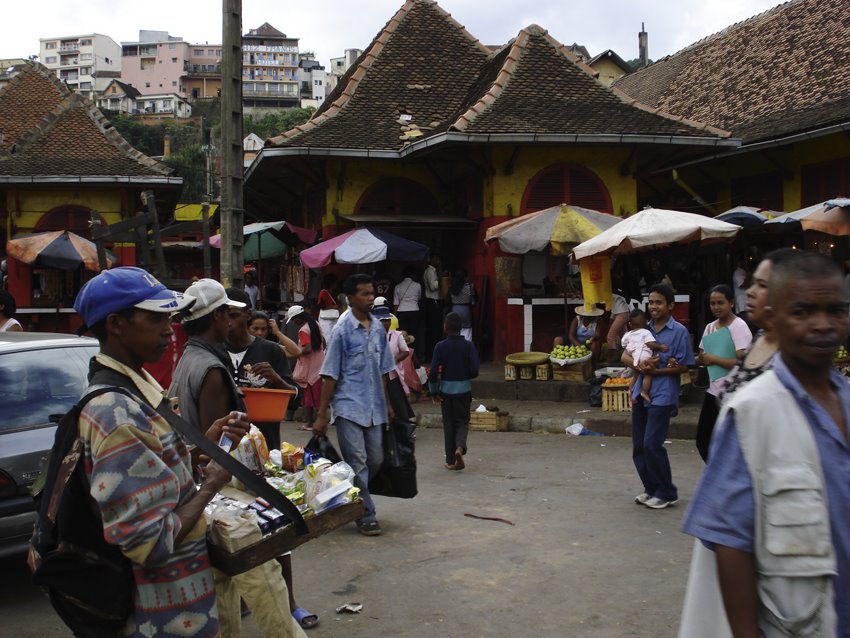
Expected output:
(321, 445)
(397, 476)
(594, 394)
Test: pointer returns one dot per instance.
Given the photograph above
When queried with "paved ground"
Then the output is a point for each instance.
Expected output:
(581, 560)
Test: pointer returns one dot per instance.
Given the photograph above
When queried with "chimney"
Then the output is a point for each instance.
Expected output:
(166, 146)
(643, 46)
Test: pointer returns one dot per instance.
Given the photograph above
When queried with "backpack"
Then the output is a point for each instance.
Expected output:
(89, 581)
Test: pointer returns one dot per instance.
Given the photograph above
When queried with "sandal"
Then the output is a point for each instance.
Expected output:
(306, 619)
(305, 427)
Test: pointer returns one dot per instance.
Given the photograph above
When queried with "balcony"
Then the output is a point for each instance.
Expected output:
(270, 90)
(69, 47)
(204, 70)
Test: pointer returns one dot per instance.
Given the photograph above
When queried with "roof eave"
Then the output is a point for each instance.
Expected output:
(93, 179)
(767, 144)
(270, 152)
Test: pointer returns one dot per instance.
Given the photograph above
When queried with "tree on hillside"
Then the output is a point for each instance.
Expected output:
(276, 123)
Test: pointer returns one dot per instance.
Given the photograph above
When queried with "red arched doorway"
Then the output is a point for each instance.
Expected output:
(72, 218)
(565, 184)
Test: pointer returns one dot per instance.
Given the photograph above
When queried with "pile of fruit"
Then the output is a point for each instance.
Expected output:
(615, 382)
(569, 352)
(841, 355)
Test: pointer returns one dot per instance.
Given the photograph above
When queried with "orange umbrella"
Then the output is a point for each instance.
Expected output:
(57, 249)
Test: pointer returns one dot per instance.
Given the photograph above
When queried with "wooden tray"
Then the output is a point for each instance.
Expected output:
(282, 540)
(489, 421)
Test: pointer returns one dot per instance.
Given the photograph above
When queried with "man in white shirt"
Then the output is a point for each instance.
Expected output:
(433, 314)
(406, 298)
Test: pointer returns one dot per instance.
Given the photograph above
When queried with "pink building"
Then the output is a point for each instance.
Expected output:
(160, 63)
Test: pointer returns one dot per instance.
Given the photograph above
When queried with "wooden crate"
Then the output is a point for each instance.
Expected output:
(575, 372)
(526, 373)
(489, 421)
(283, 540)
(543, 372)
(615, 399)
(510, 372)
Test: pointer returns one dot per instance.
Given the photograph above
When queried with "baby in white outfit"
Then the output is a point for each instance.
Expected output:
(641, 344)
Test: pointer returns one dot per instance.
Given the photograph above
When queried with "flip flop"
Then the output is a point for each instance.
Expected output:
(305, 427)
(306, 619)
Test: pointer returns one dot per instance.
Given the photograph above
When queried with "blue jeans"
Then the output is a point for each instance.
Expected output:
(363, 449)
(649, 430)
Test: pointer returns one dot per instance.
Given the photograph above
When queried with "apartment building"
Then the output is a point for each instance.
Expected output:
(160, 63)
(313, 80)
(77, 59)
(340, 65)
(269, 70)
(123, 98)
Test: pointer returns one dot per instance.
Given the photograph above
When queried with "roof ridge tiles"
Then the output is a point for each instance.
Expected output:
(365, 62)
(28, 69)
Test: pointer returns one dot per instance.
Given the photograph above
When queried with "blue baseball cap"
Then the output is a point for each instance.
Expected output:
(126, 287)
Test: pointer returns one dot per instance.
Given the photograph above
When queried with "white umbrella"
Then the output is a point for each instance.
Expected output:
(656, 228)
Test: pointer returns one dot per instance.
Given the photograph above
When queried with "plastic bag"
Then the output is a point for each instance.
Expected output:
(320, 446)
(328, 485)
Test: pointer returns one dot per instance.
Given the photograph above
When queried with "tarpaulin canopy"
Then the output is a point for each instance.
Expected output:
(57, 249)
(656, 228)
(745, 216)
(363, 246)
(831, 217)
(560, 228)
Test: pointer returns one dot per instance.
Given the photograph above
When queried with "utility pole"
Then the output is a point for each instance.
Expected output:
(232, 213)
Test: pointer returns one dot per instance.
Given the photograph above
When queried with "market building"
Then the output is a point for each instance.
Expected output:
(64, 167)
(779, 81)
(438, 137)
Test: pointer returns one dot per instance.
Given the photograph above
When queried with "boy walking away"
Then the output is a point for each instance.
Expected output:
(453, 366)
(640, 344)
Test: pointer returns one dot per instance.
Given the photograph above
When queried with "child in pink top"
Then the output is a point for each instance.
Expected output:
(306, 373)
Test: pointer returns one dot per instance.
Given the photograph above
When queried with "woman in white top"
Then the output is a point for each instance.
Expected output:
(721, 300)
(8, 307)
(406, 298)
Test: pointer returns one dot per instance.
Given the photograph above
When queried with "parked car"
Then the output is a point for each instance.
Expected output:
(42, 376)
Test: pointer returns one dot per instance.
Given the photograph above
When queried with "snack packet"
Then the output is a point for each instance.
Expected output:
(291, 457)
(261, 449)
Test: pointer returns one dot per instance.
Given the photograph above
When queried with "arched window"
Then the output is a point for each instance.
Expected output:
(397, 196)
(565, 184)
(71, 218)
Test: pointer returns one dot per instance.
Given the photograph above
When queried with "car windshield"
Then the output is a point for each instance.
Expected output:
(38, 383)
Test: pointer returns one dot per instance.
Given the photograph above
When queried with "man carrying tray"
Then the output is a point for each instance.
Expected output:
(139, 469)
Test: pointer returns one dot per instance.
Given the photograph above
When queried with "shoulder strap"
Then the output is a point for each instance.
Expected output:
(254, 483)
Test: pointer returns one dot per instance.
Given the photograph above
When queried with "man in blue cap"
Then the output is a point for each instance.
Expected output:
(139, 469)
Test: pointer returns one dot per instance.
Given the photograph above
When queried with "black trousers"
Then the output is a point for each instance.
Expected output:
(705, 426)
(455, 423)
(410, 321)
(433, 326)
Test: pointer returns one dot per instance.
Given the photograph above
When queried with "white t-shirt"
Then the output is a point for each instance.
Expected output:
(741, 337)
(634, 342)
(620, 305)
(406, 295)
(10, 323)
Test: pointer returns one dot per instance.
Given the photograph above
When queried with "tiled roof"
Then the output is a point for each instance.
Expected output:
(424, 74)
(420, 64)
(26, 99)
(66, 137)
(267, 31)
(543, 88)
(781, 72)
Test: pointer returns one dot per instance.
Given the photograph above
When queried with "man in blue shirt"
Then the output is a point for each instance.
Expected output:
(651, 420)
(354, 373)
(809, 314)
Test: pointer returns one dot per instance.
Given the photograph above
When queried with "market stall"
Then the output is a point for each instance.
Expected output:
(541, 303)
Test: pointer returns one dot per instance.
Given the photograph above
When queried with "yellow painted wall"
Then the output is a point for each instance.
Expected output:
(809, 152)
(608, 71)
(29, 205)
(502, 193)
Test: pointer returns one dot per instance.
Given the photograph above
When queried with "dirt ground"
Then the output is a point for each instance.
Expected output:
(580, 559)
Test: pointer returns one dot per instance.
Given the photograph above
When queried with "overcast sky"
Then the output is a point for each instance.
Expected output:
(329, 27)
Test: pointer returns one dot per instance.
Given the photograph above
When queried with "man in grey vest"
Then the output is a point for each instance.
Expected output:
(774, 501)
